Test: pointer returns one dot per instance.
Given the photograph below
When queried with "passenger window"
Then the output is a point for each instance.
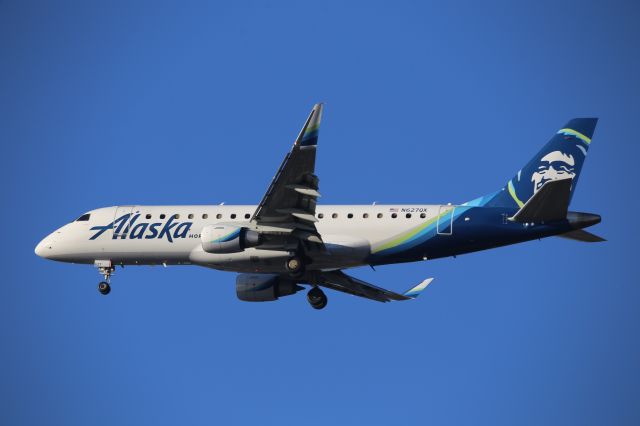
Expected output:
(233, 215)
(204, 216)
(162, 216)
(379, 215)
(320, 215)
(350, 215)
(247, 215)
(218, 216)
(83, 218)
(190, 216)
(423, 215)
(394, 215)
(176, 216)
(365, 215)
(148, 216)
(334, 215)
(408, 215)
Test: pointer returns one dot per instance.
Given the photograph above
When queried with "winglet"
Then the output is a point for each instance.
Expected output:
(415, 291)
(309, 134)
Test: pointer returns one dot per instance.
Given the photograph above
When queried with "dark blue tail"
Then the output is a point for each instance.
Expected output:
(562, 157)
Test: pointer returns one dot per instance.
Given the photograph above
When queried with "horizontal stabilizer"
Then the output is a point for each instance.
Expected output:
(549, 204)
(582, 235)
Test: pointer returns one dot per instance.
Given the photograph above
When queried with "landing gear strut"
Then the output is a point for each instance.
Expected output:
(316, 297)
(295, 266)
(105, 268)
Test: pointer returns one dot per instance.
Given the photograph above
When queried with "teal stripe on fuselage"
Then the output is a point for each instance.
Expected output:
(427, 233)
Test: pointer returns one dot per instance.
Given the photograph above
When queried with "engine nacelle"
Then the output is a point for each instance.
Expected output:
(227, 238)
(264, 287)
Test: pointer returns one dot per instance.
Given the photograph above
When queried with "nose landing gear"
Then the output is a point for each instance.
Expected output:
(104, 288)
(316, 297)
(105, 268)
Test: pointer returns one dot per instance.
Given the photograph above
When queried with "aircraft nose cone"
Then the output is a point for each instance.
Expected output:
(42, 248)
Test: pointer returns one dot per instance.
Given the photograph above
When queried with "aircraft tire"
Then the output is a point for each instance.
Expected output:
(317, 299)
(104, 288)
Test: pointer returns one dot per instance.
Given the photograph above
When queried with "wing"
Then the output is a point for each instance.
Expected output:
(338, 280)
(289, 205)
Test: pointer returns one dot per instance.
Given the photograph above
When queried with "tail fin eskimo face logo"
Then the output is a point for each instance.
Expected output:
(555, 165)
(559, 159)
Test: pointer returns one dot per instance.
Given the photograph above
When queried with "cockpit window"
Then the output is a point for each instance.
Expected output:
(83, 218)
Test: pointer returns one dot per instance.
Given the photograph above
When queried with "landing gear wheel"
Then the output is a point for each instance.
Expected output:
(104, 288)
(317, 299)
(295, 266)
(106, 269)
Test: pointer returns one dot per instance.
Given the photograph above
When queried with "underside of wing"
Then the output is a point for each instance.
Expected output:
(338, 280)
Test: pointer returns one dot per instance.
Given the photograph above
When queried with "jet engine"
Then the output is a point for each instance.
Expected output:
(264, 287)
(227, 238)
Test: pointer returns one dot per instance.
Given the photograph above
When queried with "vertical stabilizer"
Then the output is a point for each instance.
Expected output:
(561, 158)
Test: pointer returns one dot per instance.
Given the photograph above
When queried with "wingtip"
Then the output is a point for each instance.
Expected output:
(308, 136)
(415, 291)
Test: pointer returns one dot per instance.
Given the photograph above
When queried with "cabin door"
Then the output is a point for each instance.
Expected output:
(444, 225)
(122, 221)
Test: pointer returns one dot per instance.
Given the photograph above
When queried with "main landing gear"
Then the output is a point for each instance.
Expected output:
(105, 268)
(316, 297)
(295, 266)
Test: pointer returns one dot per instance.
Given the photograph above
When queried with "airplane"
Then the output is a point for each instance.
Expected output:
(289, 240)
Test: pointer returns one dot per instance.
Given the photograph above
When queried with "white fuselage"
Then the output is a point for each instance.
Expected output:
(171, 235)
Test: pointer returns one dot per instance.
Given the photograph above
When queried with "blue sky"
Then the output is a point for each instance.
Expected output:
(426, 102)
